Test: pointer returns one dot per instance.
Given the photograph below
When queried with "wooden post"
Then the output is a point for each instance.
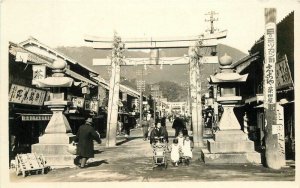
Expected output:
(195, 92)
(154, 109)
(275, 155)
(114, 88)
(141, 107)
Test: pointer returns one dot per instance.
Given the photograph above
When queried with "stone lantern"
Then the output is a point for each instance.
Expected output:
(58, 134)
(230, 144)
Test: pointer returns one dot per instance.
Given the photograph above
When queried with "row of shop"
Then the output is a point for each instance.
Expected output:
(28, 117)
(251, 111)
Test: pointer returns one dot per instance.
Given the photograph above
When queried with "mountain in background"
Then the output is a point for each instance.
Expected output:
(171, 78)
(178, 73)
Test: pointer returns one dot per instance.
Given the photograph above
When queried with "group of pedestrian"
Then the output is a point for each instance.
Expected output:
(181, 147)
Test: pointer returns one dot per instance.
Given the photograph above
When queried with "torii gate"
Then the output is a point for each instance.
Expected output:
(196, 44)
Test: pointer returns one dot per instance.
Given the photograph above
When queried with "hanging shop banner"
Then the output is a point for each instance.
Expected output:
(94, 106)
(270, 45)
(124, 96)
(78, 102)
(283, 74)
(26, 95)
(39, 72)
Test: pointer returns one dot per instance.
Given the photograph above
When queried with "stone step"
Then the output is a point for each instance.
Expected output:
(229, 147)
(56, 161)
(230, 158)
(230, 135)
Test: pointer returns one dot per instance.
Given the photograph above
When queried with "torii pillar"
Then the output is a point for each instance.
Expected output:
(114, 88)
(195, 94)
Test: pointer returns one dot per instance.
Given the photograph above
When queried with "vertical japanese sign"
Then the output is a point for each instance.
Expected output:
(39, 72)
(124, 96)
(270, 41)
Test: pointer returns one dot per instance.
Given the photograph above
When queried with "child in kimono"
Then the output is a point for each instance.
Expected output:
(175, 152)
(187, 148)
(180, 138)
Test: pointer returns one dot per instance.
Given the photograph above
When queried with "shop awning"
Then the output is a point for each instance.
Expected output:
(35, 117)
(79, 77)
(258, 98)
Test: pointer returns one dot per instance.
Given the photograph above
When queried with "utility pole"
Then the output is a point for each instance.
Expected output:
(211, 20)
(141, 88)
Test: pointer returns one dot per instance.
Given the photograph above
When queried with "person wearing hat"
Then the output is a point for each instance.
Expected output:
(158, 132)
(85, 136)
(178, 125)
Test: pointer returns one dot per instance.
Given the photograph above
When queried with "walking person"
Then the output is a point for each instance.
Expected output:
(85, 136)
(178, 125)
(145, 126)
(163, 121)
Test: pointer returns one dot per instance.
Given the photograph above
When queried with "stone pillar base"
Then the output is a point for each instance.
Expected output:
(54, 149)
(230, 147)
(56, 155)
(230, 158)
(64, 138)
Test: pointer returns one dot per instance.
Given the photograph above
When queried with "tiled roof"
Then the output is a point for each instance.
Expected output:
(32, 40)
(39, 59)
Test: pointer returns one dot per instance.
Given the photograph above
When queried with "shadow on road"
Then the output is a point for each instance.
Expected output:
(97, 163)
(128, 140)
(98, 151)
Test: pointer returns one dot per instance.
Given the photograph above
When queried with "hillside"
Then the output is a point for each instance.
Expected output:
(178, 73)
(170, 78)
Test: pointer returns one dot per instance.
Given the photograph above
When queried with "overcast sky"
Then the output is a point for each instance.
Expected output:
(64, 23)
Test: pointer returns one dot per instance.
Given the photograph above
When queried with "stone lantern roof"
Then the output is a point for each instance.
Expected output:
(57, 79)
(227, 73)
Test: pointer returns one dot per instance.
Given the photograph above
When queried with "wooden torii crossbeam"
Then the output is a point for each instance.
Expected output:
(155, 61)
(154, 43)
(208, 40)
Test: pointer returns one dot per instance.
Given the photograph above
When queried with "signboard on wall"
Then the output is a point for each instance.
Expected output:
(78, 102)
(283, 74)
(36, 117)
(93, 105)
(21, 57)
(26, 95)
